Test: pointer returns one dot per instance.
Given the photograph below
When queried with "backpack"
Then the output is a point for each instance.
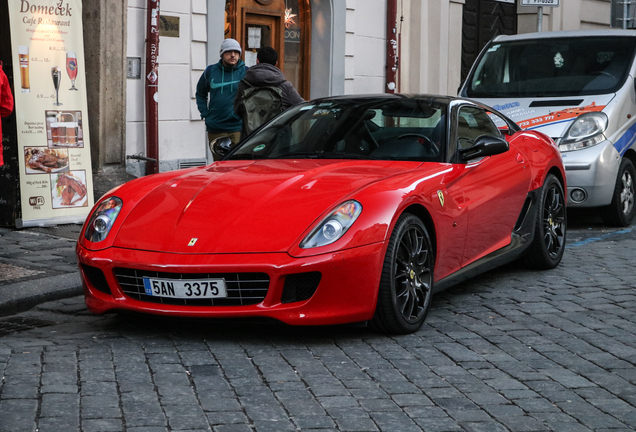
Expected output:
(259, 105)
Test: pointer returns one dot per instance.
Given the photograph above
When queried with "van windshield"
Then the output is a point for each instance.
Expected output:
(552, 67)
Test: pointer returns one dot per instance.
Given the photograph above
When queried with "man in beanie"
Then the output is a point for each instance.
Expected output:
(220, 82)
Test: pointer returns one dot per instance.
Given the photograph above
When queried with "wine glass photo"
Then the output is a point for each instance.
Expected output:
(57, 77)
(71, 67)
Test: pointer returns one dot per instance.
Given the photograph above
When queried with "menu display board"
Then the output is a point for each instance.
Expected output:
(56, 182)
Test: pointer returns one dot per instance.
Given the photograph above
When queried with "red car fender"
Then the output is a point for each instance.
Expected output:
(382, 204)
(130, 193)
(542, 153)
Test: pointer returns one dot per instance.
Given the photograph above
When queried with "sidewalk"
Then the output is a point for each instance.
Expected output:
(37, 265)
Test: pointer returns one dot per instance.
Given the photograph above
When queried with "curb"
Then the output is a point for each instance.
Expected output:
(22, 296)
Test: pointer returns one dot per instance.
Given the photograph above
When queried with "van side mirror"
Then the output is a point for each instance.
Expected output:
(221, 145)
(485, 145)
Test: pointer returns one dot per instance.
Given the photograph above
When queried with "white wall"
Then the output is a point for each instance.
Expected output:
(430, 46)
(570, 15)
(365, 46)
(181, 62)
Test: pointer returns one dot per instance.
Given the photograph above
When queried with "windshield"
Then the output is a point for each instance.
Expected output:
(552, 67)
(395, 129)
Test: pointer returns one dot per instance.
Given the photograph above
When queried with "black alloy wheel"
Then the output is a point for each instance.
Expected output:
(620, 212)
(548, 244)
(406, 285)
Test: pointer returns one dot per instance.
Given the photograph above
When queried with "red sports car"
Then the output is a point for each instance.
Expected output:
(343, 209)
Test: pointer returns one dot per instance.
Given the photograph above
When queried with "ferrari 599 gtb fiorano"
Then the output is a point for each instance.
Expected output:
(343, 209)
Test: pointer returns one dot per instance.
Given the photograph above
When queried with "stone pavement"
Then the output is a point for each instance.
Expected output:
(37, 265)
(509, 351)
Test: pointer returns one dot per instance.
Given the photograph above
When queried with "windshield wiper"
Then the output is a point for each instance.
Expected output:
(299, 155)
(338, 155)
(324, 155)
(246, 156)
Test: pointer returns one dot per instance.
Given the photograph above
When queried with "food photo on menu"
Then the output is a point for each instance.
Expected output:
(39, 160)
(69, 189)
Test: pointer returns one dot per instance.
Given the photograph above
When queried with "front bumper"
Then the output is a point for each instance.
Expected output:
(347, 291)
(594, 171)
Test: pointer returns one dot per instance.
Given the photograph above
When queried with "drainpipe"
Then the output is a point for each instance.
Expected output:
(391, 45)
(152, 84)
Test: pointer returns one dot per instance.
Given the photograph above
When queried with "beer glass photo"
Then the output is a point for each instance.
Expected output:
(23, 53)
(57, 77)
(71, 67)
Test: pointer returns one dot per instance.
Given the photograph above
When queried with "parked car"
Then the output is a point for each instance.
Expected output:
(344, 209)
(578, 88)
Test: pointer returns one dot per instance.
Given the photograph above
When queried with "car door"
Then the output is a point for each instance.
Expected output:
(494, 187)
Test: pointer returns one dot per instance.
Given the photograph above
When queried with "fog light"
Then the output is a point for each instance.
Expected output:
(578, 195)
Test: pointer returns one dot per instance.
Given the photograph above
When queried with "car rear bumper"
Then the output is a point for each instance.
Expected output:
(347, 291)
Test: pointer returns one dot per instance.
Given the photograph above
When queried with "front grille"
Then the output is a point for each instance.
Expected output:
(242, 288)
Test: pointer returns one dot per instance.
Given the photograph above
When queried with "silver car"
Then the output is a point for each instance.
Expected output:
(577, 87)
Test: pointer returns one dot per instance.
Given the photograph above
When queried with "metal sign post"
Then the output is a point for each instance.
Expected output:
(540, 4)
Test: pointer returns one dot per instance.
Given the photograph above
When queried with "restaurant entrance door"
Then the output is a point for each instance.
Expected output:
(284, 25)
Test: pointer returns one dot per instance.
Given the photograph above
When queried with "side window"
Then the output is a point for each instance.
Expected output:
(473, 122)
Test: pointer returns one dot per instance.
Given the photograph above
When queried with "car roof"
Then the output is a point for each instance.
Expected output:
(379, 97)
(563, 34)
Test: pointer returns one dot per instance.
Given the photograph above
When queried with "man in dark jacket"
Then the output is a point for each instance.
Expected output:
(221, 81)
(265, 73)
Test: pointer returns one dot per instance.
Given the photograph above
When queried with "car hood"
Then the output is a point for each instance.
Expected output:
(245, 206)
(552, 116)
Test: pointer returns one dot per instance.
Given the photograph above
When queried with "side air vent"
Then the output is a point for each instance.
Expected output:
(96, 278)
(300, 286)
(191, 163)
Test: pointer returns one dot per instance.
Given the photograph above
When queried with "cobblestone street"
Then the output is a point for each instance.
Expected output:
(511, 350)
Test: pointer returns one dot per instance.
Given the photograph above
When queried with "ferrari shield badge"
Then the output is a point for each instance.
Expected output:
(193, 241)
(440, 195)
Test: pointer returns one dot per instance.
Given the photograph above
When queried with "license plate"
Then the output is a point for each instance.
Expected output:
(185, 289)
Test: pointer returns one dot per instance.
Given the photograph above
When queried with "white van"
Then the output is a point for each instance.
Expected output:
(577, 87)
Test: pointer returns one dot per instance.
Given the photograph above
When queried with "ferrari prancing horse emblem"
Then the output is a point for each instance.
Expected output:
(440, 194)
(193, 241)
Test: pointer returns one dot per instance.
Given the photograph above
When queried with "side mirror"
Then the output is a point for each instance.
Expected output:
(221, 145)
(484, 145)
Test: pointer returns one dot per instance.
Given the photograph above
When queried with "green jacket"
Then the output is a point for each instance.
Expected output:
(221, 84)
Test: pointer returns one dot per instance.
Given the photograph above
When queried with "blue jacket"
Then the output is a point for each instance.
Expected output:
(221, 84)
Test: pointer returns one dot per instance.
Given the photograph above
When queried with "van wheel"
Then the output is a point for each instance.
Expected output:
(406, 284)
(620, 212)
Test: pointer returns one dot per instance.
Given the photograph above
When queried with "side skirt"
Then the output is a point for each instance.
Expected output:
(521, 239)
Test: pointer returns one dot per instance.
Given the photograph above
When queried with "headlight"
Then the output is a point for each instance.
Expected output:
(586, 131)
(333, 226)
(102, 219)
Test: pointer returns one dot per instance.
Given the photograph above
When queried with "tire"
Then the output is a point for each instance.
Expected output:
(406, 284)
(550, 228)
(620, 212)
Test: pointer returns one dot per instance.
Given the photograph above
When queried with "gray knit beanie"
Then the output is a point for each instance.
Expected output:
(230, 45)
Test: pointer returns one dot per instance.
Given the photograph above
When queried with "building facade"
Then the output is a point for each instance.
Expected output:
(328, 47)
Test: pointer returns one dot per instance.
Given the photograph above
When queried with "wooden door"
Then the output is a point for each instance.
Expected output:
(262, 30)
(482, 21)
(285, 25)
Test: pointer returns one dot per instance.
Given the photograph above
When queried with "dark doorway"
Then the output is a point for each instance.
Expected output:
(483, 20)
